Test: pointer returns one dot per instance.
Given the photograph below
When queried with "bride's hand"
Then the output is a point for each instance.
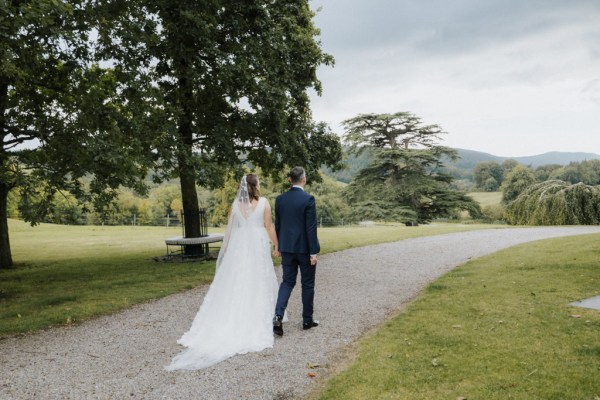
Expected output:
(276, 253)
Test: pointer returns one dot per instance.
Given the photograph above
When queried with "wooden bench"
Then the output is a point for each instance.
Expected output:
(181, 242)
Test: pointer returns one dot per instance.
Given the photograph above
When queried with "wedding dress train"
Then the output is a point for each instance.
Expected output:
(236, 315)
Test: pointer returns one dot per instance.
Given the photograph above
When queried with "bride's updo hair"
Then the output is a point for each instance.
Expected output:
(253, 190)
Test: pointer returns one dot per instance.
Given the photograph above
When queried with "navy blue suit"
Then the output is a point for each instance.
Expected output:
(296, 228)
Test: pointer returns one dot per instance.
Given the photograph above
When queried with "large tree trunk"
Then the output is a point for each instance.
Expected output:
(189, 198)
(5, 254)
(187, 173)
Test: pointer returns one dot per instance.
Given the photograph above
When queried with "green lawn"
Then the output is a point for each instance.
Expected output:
(499, 327)
(67, 274)
(487, 198)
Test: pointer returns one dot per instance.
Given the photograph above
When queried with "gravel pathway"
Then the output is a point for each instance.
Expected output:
(123, 355)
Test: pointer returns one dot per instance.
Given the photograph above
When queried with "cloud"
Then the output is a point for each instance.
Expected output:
(591, 91)
(491, 73)
(440, 26)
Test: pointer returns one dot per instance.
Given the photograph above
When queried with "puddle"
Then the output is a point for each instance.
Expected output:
(592, 302)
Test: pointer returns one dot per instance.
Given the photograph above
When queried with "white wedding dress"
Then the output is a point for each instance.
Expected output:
(236, 315)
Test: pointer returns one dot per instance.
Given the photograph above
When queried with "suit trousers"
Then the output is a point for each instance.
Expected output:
(290, 263)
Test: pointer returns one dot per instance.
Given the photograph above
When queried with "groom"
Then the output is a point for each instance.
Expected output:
(296, 228)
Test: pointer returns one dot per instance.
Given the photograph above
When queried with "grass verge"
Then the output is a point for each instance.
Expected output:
(487, 198)
(67, 274)
(498, 327)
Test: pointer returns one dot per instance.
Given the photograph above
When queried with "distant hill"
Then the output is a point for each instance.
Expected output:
(463, 167)
(556, 157)
(471, 157)
(354, 164)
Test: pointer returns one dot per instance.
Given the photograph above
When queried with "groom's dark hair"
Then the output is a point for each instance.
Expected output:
(296, 174)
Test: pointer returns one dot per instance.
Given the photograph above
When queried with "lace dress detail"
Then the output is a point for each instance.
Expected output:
(236, 315)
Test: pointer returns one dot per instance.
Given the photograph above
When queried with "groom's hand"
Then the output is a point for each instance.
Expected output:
(313, 260)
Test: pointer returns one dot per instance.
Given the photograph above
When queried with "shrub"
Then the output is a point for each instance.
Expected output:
(556, 203)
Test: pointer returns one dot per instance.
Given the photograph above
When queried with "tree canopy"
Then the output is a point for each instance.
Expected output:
(108, 89)
(517, 180)
(488, 176)
(556, 202)
(587, 172)
(390, 131)
(61, 118)
(226, 82)
(404, 181)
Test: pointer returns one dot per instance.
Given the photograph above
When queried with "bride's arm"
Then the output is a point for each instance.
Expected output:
(269, 226)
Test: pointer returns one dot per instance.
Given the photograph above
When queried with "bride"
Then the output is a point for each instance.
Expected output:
(235, 317)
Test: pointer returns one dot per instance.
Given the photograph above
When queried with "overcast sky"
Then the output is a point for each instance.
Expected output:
(507, 77)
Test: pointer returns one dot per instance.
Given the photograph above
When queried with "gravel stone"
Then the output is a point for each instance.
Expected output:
(123, 355)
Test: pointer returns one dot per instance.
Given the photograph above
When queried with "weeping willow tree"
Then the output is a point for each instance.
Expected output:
(556, 203)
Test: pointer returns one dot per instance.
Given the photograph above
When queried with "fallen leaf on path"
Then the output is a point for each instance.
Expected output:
(312, 374)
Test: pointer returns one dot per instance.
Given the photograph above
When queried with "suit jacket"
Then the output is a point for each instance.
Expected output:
(296, 222)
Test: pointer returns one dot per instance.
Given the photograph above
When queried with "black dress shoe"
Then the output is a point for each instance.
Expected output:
(277, 326)
(311, 324)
